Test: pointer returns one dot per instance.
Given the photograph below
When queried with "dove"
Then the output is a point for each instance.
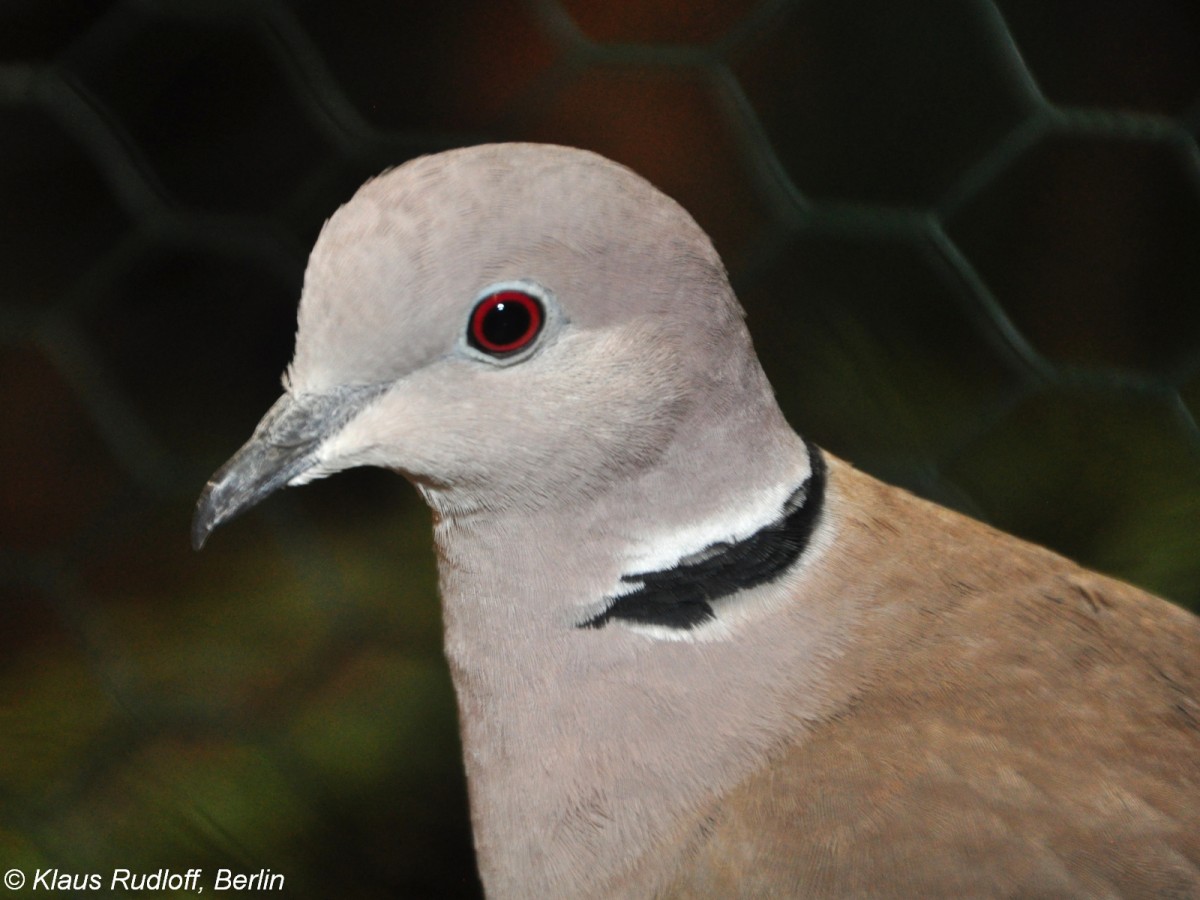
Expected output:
(694, 654)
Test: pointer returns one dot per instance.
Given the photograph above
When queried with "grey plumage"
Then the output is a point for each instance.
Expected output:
(915, 705)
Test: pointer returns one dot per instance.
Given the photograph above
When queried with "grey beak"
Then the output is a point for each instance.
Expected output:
(282, 448)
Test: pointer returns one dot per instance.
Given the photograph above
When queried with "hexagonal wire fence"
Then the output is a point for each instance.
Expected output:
(967, 234)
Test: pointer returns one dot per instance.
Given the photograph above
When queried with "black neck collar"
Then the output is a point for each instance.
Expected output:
(682, 596)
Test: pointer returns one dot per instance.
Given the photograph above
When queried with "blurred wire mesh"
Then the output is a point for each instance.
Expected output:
(967, 234)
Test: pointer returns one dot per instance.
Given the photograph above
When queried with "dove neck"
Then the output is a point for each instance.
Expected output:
(564, 726)
(729, 473)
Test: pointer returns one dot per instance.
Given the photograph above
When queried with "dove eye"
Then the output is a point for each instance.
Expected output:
(505, 321)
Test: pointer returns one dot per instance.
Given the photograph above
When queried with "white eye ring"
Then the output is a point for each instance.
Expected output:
(533, 314)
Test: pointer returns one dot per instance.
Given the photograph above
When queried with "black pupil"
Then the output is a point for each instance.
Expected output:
(506, 323)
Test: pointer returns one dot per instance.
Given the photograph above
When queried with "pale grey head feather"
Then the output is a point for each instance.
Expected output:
(642, 322)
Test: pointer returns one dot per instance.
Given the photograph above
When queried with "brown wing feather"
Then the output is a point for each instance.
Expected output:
(1027, 728)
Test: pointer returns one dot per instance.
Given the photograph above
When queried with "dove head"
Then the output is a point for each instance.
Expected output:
(507, 325)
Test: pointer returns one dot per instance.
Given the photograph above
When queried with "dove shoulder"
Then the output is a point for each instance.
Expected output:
(1026, 728)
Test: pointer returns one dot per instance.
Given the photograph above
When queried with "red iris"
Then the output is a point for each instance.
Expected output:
(505, 322)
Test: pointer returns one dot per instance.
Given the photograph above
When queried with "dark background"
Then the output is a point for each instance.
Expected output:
(967, 235)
